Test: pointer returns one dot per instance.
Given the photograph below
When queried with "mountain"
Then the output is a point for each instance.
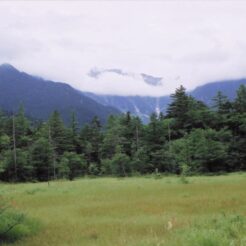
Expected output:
(41, 97)
(206, 92)
(143, 106)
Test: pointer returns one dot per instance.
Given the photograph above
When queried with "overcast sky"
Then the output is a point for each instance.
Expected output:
(184, 42)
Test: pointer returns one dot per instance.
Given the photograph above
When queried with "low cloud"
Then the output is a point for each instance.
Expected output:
(117, 84)
(187, 43)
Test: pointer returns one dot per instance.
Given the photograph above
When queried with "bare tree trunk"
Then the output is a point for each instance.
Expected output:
(14, 148)
(169, 139)
(169, 133)
(48, 167)
(53, 155)
(124, 171)
(137, 137)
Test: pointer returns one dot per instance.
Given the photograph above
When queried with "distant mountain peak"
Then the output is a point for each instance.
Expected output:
(7, 67)
(41, 97)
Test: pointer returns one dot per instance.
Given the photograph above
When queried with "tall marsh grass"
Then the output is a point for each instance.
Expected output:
(136, 211)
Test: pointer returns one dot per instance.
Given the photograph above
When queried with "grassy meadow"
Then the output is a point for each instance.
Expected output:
(137, 211)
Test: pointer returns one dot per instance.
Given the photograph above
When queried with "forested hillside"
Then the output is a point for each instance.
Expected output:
(41, 97)
(190, 138)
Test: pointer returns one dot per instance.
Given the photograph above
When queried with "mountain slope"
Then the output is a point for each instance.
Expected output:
(206, 92)
(40, 97)
(144, 106)
(141, 106)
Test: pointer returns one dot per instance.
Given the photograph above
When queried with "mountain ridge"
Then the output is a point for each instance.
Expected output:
(134, 104)
(41, 97)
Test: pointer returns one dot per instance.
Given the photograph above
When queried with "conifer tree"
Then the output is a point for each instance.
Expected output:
(57, 133)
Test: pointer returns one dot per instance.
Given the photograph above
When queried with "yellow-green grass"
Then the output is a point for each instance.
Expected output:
(130, 211)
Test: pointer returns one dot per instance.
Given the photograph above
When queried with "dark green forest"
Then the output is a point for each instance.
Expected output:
(189, 138)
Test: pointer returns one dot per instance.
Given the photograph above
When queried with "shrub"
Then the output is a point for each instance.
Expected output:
(185, 171)
(71, 165)
(13, 224)
(93, 169)
(120, 165)
(106, 166)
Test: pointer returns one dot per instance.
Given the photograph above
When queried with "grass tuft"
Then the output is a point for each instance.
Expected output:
(218, 231)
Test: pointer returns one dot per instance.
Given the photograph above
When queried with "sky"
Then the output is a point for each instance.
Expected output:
(183, 42)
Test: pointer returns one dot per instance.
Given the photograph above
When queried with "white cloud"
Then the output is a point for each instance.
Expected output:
(196, 42)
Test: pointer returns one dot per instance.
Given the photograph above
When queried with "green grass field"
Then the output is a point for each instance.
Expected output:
(208, 211)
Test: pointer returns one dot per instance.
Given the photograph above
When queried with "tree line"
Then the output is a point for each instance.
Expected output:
(190, 137)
